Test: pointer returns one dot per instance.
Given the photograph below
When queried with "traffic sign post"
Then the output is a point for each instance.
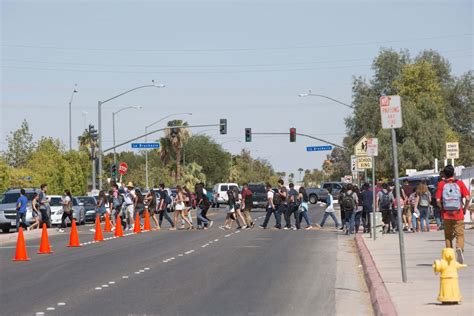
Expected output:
(145, 145)
(123, 168)
(373, 151)
(391, 113)
(355, 171)
(452, 151)
(318, 148)
(364, 163)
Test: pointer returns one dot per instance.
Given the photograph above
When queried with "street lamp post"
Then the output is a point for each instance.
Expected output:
(136, 107)
(74, 91)
(99, 109)
(310, 94)
(146, 150)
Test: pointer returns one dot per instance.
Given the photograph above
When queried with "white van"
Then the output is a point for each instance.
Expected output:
(220, 192)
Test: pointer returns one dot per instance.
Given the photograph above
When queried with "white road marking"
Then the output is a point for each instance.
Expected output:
(165, 261)
(50, 309)
(61, 304)
(98, 288)
(105, 285)
(188, 252)
(125, 277)
(137, 272)
(141, 271)
(228, 235)
(147, 269)
(216, 240)
(39, 313)
(112, 282)
(238, 231)
(180, 255)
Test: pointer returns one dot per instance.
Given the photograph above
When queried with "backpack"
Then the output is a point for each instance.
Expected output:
(348, 202)
(168, 200)
(276, 198)
(424, 200)
(248, 198)
(209, 196)
(451, 196)
(385, 201)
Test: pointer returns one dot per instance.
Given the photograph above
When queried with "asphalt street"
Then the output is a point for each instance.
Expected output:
(213, 272)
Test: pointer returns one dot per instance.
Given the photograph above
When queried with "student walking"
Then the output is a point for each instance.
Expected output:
(329, 212)
(247, 203)
(44, 204)
(303, 209)
(165, 201)
(349, 204)
(21, 210)
(129, 201)
(181, 207)
(203, 204)
(384, 203)
(150, 202)
(358, 210)
(35, 212)
(423, 203)
(67, 210)
(281, 201)
(453, 200)
(367, 206)
(292, 208)
(270, 209)
(238, 207)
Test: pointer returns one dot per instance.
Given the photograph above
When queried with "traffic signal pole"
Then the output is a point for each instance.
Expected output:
(304, 135)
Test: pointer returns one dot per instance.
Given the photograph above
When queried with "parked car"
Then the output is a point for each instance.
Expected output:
(220, 190)
(78, 211)
(8, 208)
(259, 196)
(321, 194)
(89, 207)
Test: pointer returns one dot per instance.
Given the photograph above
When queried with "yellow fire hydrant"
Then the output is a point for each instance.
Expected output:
(448, 267)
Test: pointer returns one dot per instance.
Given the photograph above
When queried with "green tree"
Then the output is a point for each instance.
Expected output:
(193, 175)
(19, 146)
(215, 161)
(5, 175)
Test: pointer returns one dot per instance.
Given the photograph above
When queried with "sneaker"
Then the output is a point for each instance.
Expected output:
(286, 228)
(92, 230)
(294, 228)
(240, 227)
(308, 227)
(210, 224)
(245, 227)
(113, 228)
(460, 255)
(173, 228)
(61, 230)
(262, 227)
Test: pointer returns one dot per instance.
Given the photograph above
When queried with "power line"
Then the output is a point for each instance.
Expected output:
(205, 65)
(235, 49)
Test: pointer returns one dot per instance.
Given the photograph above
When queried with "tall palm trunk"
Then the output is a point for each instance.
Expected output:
(178, 162)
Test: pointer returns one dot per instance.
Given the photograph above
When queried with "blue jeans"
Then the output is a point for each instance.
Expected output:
(357, 216)
(201, 217)
(21, 216)
(424, 217)
(333, 216)
(349, 221)
(271, 210)
(164, 213)
(304, 215)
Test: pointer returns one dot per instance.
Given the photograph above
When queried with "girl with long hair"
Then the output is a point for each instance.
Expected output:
(35, 212)
(423, 203)
(150, 201)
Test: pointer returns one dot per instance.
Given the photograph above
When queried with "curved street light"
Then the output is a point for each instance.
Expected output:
(146, 150)
(100, 103)
(74, 91)
(310, 94)
(136, 107)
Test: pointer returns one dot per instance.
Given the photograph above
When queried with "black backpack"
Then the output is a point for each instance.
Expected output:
(276, 198)
(348, 202)
(385, 201)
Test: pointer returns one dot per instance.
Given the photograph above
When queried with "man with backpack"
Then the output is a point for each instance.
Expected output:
(271, 208)
(281, 201)
(165, 201)
(349, 204)
(247, 203)
(452, 197)
(384, 201)
(292, 207)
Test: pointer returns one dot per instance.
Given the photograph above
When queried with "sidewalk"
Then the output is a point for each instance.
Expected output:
(419, 295)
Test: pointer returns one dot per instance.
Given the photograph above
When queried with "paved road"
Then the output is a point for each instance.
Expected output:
(214, 272)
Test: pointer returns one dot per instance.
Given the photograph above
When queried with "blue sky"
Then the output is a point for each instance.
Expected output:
(242, 60)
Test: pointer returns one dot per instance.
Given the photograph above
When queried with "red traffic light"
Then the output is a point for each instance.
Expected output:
(292, 134)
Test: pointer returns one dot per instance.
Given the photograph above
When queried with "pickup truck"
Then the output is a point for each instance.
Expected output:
(321, 193)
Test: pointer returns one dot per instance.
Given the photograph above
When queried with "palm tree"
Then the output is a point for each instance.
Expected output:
(87, 142)
(178, 137)
(300, 170)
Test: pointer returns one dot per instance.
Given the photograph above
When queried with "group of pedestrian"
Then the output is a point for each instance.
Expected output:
(288, 203)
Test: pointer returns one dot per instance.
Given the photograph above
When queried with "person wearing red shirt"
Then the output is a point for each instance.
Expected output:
(247, 205)
(453, 219)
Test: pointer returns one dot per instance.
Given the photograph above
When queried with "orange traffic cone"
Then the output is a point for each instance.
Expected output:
(118, 227)
(45, 248)
(98, 230)
(21, 254)
(137, 229)
(108, 226)
(147, 225)
(74, 237)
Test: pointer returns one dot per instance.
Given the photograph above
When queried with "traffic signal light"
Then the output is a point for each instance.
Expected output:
(93, 132)
(292, 135)
(113, 170)
(248, 135)
(223, 126)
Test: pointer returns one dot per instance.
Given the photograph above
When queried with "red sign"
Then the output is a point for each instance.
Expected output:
(123, 168)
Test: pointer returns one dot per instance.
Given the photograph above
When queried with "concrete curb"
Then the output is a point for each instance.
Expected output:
(379, 296)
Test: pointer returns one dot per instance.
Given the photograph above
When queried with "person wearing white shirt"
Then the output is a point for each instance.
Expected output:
(270, 209)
